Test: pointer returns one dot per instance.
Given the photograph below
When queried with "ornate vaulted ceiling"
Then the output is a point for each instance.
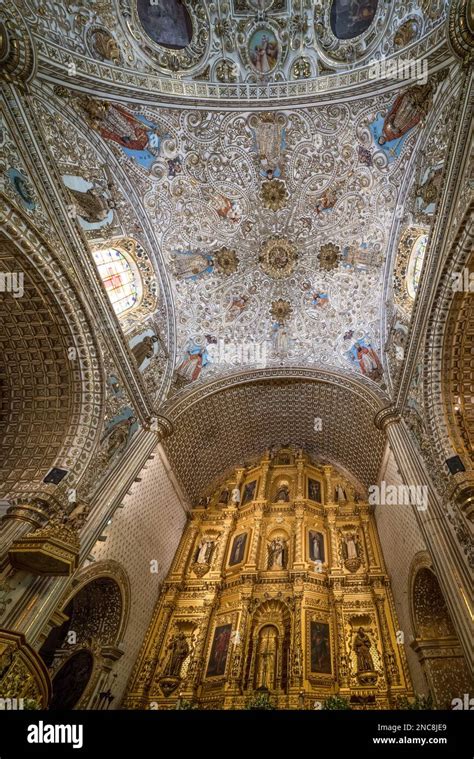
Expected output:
(329, 419)
(266, 185)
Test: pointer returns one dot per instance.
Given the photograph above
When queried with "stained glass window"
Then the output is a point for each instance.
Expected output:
(119, 278)
(415, 264)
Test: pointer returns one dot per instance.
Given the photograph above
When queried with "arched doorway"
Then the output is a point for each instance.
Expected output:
(436, 642)
(83, 649)
(70, 681)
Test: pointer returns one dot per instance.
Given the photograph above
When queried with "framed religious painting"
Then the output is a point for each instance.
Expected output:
(237, 553)
(320, 648)
(314, 490)
(250, 489)
(219, 650)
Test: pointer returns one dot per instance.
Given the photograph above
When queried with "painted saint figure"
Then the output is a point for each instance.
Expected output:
(144, 349)
(406, 112)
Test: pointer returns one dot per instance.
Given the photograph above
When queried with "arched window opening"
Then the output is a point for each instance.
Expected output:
(415, 264)
(121, 278)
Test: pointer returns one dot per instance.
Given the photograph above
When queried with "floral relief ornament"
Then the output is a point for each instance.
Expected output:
(329, 256)
(274, 194)
(226, 261)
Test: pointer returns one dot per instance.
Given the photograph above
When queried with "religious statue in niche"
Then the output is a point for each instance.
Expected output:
(204, 551)
(361, 646)
(316, 546)
(283, 493)
(340, 494)
(351, 551)
(235, 497)
(224, 496)
(178, 650)
(277, 553)
(267, 654)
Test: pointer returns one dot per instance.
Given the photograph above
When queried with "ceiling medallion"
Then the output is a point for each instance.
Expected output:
(274, 194)
(278, 257)
(329, 256)
(281, 310)
(226, 261)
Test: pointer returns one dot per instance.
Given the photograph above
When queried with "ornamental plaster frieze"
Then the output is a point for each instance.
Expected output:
(103, 80)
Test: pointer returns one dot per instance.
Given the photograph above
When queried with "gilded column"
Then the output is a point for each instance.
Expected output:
(297, 648)
(328, 482)
(229, 522)
(196, 667)
(364, 519)
(264, 476)
(390, 660)
(299, 516)
(299, 476)
(343, 660)
(252, 561)
(331, 523)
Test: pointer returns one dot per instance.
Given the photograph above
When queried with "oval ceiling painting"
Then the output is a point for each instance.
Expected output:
(167, 22)
(349, 18)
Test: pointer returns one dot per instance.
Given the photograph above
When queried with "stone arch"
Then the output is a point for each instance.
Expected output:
(273, 614)
(438, 421)
(54, 404)
(436, 642)
(92, 615)
(222, 423)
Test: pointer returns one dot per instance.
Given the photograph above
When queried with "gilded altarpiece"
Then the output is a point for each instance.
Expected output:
(278, 587)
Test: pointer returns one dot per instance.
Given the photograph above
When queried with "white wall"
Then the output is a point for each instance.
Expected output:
(401, 540)
(148, 527)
